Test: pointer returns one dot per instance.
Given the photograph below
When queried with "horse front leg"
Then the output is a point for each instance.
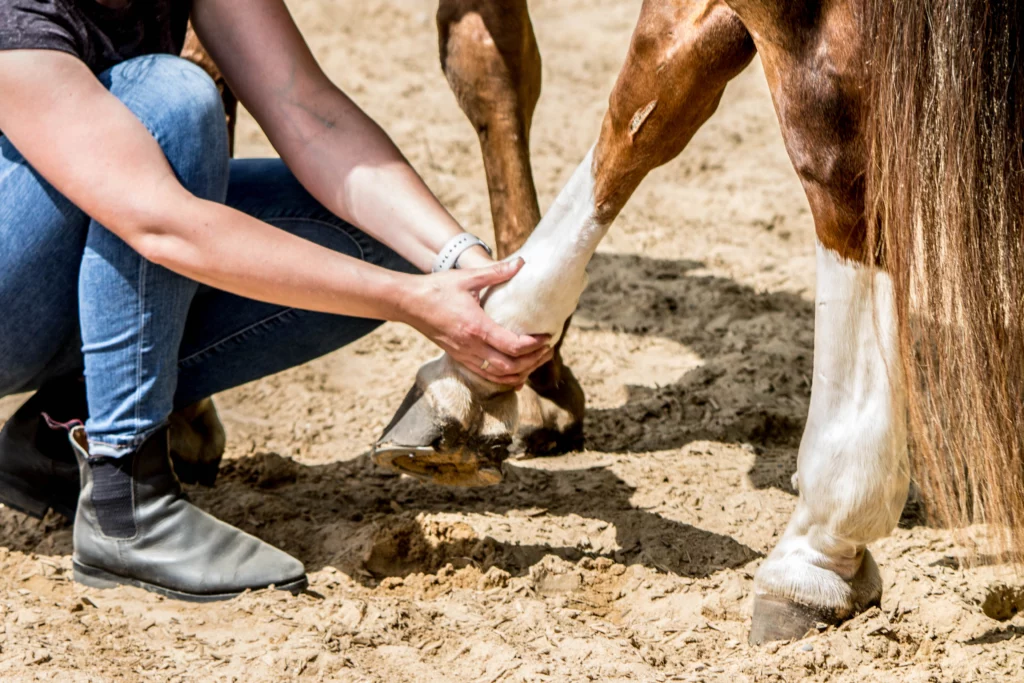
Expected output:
(454, 428)
(489, 55)
(852, 469)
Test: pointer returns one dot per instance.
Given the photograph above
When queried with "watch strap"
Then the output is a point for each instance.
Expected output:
(448, 257)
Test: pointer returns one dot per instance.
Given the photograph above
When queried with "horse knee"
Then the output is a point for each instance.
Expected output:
(680, 59)
(181, 107)
(491, 60)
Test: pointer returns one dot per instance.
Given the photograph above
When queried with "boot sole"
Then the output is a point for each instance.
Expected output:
(14, 494)
(100, 578)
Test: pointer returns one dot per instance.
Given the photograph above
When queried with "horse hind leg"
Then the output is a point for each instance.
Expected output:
(852, 471)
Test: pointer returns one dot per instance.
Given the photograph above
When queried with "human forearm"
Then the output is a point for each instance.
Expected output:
(229, 250)
(338, 152)
(95, 152)
(350, 164)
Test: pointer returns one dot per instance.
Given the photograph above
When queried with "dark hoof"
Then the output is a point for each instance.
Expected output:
(439, 451)
(202, 473)
(544, 442)
(781, 619)
(550, 416)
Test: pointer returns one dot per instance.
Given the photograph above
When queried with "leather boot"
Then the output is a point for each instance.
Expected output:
(136, 527)
(38, 470)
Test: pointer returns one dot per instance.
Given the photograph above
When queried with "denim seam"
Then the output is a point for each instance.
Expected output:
(143, 267)
(319, 221)
(236, 335)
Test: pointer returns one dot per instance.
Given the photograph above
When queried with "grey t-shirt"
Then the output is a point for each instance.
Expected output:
(98, 34)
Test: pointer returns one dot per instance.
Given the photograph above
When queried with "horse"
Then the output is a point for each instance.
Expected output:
(903, 120)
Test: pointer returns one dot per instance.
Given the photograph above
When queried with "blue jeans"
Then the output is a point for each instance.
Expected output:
(74, 297)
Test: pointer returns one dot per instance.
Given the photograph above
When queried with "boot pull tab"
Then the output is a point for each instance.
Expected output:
(56, 425)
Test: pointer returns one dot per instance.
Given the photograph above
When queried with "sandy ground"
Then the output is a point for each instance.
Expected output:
(630, 561)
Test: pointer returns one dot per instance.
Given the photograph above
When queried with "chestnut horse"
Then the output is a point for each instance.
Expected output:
(903, 120)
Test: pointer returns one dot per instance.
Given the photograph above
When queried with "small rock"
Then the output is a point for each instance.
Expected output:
(494, 578)
(807, 647)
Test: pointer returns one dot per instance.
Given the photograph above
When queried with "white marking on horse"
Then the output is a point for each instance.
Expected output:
(852, 469)
(542, 296)
(538, 300)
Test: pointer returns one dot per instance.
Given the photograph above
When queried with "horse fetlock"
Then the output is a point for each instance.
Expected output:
(797, 588)
(445, 432)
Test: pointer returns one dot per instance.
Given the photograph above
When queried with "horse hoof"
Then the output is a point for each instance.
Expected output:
(445, 469)
(197, 443)
(418, 444)
(781, 619)
(545, 442)
(202, 473)
(550, 418)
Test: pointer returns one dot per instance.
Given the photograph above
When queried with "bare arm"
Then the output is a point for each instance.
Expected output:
(335, 150)
(93, 150)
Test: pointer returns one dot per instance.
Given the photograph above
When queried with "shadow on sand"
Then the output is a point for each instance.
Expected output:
(752, 388)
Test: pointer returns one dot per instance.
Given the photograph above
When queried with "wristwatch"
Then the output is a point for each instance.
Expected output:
(448, 257)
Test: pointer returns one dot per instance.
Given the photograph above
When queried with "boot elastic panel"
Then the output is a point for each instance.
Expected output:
(112, 495)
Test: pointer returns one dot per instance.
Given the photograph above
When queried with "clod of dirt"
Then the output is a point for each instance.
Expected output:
(269, 470)
(405, 545)
(552, 576)
(494, 578)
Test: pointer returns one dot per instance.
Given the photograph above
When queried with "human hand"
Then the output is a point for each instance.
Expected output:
(446, 308)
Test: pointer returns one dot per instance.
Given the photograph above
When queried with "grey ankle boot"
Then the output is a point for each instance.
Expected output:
(135, 527)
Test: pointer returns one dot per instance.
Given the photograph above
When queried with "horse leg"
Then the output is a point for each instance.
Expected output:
(852, 469)
(452, 426)
(490, 57)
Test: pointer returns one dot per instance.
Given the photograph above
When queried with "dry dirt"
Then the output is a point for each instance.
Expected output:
(630, 561)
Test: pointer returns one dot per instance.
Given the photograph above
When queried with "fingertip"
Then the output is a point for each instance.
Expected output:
(515, 264)
(533, 343)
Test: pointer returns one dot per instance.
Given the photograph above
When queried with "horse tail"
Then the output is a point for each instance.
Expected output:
(945, 206)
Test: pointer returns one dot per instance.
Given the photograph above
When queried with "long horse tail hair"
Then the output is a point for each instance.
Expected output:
(945, 206)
